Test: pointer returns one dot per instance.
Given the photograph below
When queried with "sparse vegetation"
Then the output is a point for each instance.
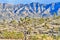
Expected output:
(30, 29)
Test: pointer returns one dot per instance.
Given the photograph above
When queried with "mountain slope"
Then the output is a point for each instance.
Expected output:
(8, 11)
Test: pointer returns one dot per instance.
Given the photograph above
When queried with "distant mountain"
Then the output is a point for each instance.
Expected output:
(9, 11)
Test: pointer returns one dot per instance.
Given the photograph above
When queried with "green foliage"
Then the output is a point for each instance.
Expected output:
(34, 38)
(21, 19)
(13, 22)
(13, 35)
(57, 37)
(41, 20)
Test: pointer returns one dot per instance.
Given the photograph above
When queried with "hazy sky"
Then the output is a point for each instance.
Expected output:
(28, 1)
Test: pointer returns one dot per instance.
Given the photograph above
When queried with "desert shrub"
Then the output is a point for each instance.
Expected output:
(41, 37)
(41, 20)
(13, 35)
(13, 22)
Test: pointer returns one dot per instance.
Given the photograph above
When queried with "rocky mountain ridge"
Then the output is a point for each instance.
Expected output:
(10, 11)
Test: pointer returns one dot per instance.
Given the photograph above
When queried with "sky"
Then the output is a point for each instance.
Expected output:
(28, 1)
